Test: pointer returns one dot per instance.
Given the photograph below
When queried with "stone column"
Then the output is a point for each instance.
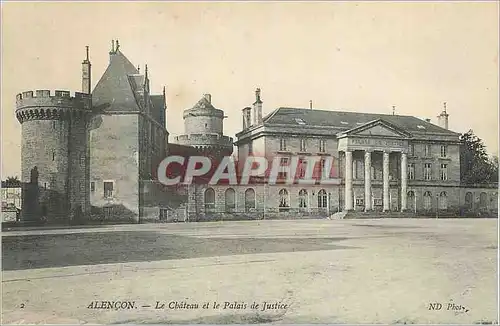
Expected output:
(348, 205)
(368, 181)
(404, 181)
(386, 181)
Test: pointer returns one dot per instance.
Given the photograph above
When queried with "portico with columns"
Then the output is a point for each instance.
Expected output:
(364, 148)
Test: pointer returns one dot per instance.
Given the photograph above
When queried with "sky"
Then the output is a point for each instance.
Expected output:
(351, 56)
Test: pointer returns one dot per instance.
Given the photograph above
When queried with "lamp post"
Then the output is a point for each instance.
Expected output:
(415, 202)
(437, 205)
(328, 205)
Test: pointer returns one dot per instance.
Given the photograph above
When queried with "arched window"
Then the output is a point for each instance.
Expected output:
(303, 198)
(284, 202)
(249, 199)
(410, 200)
(443, 200)
(469, 200)
(209, 198)
(427, 200)
(483, 200)
(322, 199)
(230, 199)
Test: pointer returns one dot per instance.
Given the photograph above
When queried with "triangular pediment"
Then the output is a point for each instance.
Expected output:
(378, 128)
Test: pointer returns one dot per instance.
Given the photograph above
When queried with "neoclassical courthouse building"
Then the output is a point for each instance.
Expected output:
(96, 154)
(380, 162)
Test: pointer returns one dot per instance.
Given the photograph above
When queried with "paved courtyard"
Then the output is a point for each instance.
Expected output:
(315, 271)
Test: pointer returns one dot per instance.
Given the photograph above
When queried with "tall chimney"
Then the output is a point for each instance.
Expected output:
(257, 108)
(247, 117)
(443, 118)
(208, 97)
(86, 73)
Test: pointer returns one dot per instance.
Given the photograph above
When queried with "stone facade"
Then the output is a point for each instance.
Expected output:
(128, 141)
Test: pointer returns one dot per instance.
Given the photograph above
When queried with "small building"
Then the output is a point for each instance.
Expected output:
(11, 200)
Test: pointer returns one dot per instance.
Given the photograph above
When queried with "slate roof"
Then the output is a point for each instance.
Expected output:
(348, 120)
(114, 90)
(121, 88)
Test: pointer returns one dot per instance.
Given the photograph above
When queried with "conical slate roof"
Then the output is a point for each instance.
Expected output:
(204, 107)
(203, 104)
(114, 91)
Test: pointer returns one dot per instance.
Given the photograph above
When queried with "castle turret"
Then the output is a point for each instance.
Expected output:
(54, 154)
(203, 128)
(443, 118)
(86, 74)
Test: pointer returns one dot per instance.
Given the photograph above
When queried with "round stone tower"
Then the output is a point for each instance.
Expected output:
(54, 154)
(204, 129)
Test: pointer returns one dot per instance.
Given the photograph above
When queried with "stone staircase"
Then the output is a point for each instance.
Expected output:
(371, 215)
(338, 216)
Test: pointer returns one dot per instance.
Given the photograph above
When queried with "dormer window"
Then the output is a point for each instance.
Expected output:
(300, 121)
(420, 127)
(344, 123)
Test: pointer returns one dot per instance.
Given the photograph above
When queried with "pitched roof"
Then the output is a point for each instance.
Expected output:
(114, 90)
(348, 120)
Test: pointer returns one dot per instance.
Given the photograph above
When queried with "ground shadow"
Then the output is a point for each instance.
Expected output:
(59, 250)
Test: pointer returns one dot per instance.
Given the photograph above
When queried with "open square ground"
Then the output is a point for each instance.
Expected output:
(315, 271)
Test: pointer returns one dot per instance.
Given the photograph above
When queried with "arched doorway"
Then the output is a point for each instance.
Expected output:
(410, 201)
(469, 201)
(209, 199)
(284, 200)
(303, 198)
(322, 199)
(427, 200)
(230, 199)
(249, 199)
(443, 201)
(483, 201)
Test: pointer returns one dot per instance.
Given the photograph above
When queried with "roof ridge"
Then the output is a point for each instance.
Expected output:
(351, 119)
(338, 111)
(270, 115)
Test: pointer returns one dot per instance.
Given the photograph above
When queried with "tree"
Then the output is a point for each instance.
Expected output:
(475, 165)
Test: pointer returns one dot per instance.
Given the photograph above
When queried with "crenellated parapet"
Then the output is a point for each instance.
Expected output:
(205, 140)
(42, 105)
(203, 112)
